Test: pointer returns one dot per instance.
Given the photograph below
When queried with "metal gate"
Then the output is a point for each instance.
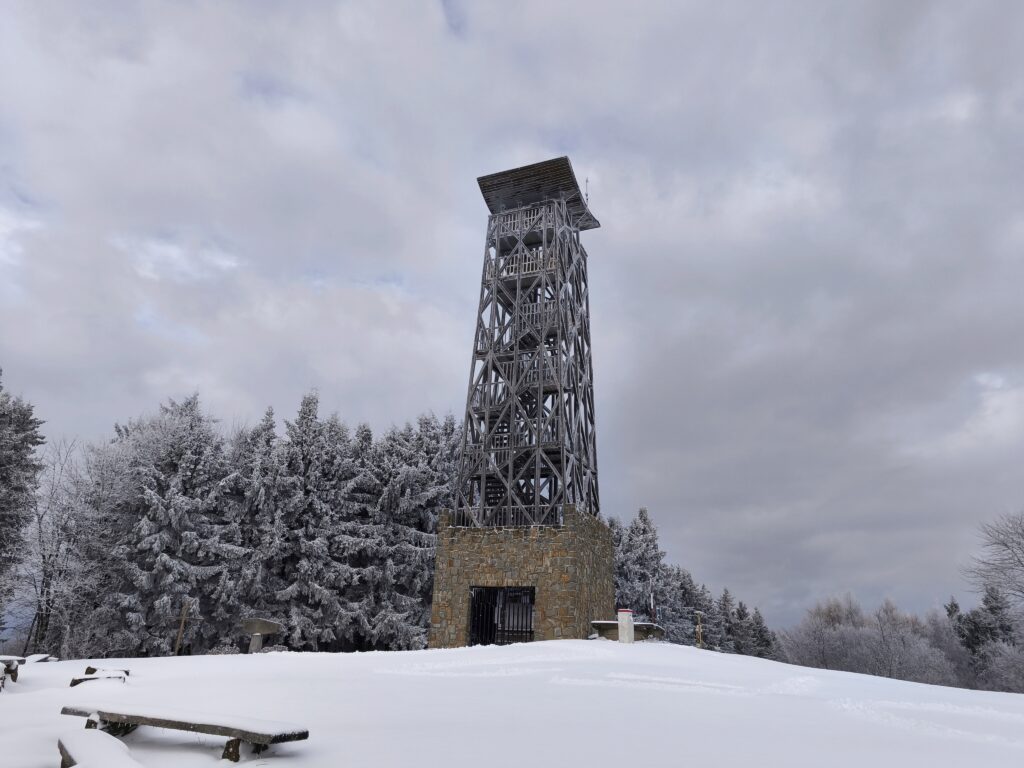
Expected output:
(500, 615)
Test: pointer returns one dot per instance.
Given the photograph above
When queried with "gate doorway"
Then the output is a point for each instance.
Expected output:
(500, 615)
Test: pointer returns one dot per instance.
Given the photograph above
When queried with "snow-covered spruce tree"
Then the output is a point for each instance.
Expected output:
(618, 534)
(418, 485)
(676, 605)
(742, 630)
(180, 549)
(253, 489)
(93, 625)
(713, 623)
(990, 622)
(726, 607)
(356, 543)
(641, 573)
(642, 562)
(413, 469)
(307, 585)
(19, 470)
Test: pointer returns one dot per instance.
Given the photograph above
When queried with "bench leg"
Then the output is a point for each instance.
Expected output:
(90, 723)
(231, 750)
(14, 675)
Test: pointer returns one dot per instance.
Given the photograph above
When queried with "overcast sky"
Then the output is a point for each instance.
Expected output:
(807, 294)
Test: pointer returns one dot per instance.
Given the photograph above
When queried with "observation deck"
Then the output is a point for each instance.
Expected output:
(548, 180)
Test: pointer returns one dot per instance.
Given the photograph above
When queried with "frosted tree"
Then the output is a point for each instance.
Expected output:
(19, 468)
(415, 468)
(254, 492)
(742, 630)
(837, 634)
(1000, 566)
(676, 605)
(306, 583)
(765, 643)
(713, 624)
(642, 577)
(642, 562)
(53, 574)
(1001, 667)
(178, 554)
(726, 607)
(618, 534)
(990, 622)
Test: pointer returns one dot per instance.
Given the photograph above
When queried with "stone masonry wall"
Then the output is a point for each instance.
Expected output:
(570, 567)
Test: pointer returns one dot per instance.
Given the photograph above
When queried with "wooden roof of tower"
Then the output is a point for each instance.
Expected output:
(547, 180)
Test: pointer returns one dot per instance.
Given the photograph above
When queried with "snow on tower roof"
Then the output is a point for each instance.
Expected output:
(547, 180)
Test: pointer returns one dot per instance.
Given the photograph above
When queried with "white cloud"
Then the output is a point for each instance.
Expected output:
(995, 425)
(155, 259)
(12, 227)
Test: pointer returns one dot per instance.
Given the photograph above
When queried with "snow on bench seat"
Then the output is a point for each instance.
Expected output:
(38, 658)
(94, 749)
(258, 732)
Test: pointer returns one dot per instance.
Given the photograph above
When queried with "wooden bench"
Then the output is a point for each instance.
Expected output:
(91, 673)
(97, 670)
(10, 665)
(260, 733)
(96, 673)
(94, 749)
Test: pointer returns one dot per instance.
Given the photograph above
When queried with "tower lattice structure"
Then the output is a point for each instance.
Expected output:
(529, 446)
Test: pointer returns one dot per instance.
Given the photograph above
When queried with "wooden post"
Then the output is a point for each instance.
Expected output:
(31, 629)
(181, 626)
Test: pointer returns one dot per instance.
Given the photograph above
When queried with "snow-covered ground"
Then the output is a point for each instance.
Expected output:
(564, 703)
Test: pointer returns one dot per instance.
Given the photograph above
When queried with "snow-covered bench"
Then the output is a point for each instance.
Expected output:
(97, 670)
(259, 733)
(10, 666)
(93, 749)
(93, 673)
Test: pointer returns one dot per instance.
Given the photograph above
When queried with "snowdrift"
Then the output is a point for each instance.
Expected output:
(562, 703)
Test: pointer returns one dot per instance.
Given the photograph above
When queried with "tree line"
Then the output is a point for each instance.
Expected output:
(108, 549)
(980, 648)
(169, 524)
(668, 595)
(172, 525)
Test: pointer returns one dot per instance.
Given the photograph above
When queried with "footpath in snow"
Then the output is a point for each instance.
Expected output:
(564, 703)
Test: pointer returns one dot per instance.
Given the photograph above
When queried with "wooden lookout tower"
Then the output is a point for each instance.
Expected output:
(524, 554)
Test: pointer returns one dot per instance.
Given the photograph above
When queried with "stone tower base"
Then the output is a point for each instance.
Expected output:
(569, 566)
